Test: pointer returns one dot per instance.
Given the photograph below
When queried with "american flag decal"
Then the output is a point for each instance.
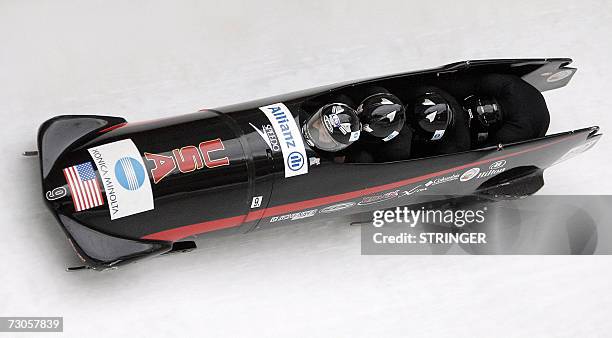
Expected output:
(84, 186)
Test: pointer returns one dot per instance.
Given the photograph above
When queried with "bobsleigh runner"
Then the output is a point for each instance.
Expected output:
(127, 191)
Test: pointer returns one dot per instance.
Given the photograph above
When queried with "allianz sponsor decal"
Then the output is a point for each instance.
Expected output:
(289, 137)
(126, 183)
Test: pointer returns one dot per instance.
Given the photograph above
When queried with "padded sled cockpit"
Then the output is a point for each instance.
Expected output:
(524, 112)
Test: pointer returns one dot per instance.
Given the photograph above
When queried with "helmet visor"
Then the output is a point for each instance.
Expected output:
(330, 135)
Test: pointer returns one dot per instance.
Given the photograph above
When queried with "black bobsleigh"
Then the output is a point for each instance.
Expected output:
(126, 191)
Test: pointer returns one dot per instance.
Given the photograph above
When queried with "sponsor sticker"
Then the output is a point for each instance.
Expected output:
(345, 128)
(294, 216)
(289, 137)
(335, 120)
(468, 175)
(267, 134)
(56, 193)
(379, 198)
(327, 123)
(438, 134)
(495, 168)
(419, 188)
(497, 165)
(443, 179)
(337, 207)
(124, 177)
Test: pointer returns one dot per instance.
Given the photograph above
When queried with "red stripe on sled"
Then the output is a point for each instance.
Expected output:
(113, 127)
(198, 228)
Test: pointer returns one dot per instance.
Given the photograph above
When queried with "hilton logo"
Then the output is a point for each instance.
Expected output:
(494, 169)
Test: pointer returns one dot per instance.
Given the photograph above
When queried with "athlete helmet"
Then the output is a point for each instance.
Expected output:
(332, 128)
(432, 116)
(382, 115)
(485, 111)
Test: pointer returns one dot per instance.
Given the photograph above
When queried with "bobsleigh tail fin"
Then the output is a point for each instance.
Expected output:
(63, 133)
